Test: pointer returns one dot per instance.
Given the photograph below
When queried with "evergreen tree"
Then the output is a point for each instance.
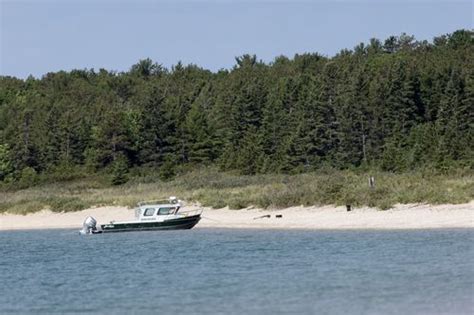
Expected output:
(200, 134)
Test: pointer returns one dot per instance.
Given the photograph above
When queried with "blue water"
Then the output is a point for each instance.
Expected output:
(209, 271)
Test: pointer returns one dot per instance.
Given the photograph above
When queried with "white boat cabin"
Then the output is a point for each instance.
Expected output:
(156, 210)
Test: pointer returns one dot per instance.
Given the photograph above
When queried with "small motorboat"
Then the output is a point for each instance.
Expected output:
(149, 216)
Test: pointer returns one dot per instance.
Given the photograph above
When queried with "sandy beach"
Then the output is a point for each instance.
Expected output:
(410, 216)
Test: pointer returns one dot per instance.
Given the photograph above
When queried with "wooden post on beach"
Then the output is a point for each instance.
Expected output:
(371, 182)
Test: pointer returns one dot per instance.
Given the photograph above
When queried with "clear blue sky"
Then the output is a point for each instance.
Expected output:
(42, 36)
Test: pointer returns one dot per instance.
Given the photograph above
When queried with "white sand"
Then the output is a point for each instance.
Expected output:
(329, 217)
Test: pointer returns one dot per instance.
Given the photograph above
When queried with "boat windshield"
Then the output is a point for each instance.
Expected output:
(166, 210)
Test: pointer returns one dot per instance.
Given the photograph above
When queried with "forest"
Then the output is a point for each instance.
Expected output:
(393, 105)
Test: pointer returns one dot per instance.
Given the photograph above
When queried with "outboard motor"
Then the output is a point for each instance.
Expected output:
(89, 226)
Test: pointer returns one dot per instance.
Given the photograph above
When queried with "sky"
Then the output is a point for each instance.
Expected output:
(42, 36)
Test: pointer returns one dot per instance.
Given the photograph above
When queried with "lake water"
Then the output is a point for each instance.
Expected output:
(208, 271)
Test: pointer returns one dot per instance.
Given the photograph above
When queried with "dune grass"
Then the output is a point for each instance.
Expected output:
(217, 189)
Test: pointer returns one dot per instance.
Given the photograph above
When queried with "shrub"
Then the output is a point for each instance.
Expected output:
(119, 170)
(167, 170)
(28, 177)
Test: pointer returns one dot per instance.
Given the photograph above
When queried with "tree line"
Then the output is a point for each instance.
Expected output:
(397, 104)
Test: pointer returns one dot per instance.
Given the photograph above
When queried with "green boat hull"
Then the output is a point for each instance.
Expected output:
(185, 223)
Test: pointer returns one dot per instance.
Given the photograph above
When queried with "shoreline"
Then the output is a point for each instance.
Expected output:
(407, 216)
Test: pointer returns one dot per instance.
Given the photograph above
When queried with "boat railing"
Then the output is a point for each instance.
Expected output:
(189, 213)
(157, 202)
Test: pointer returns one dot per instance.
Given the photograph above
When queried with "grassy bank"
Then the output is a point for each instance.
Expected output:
(216, 189)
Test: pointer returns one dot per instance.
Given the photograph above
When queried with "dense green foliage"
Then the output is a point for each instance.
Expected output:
(395, 105)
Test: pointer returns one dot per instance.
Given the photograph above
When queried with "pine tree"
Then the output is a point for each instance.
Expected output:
(119, 170)
(353, 121)
(200, 134)
(455, 121)
(276, 125)
(249, 158)
(157, 130)
(314, 139)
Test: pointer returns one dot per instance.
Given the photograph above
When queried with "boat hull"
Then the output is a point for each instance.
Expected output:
(185, 223)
